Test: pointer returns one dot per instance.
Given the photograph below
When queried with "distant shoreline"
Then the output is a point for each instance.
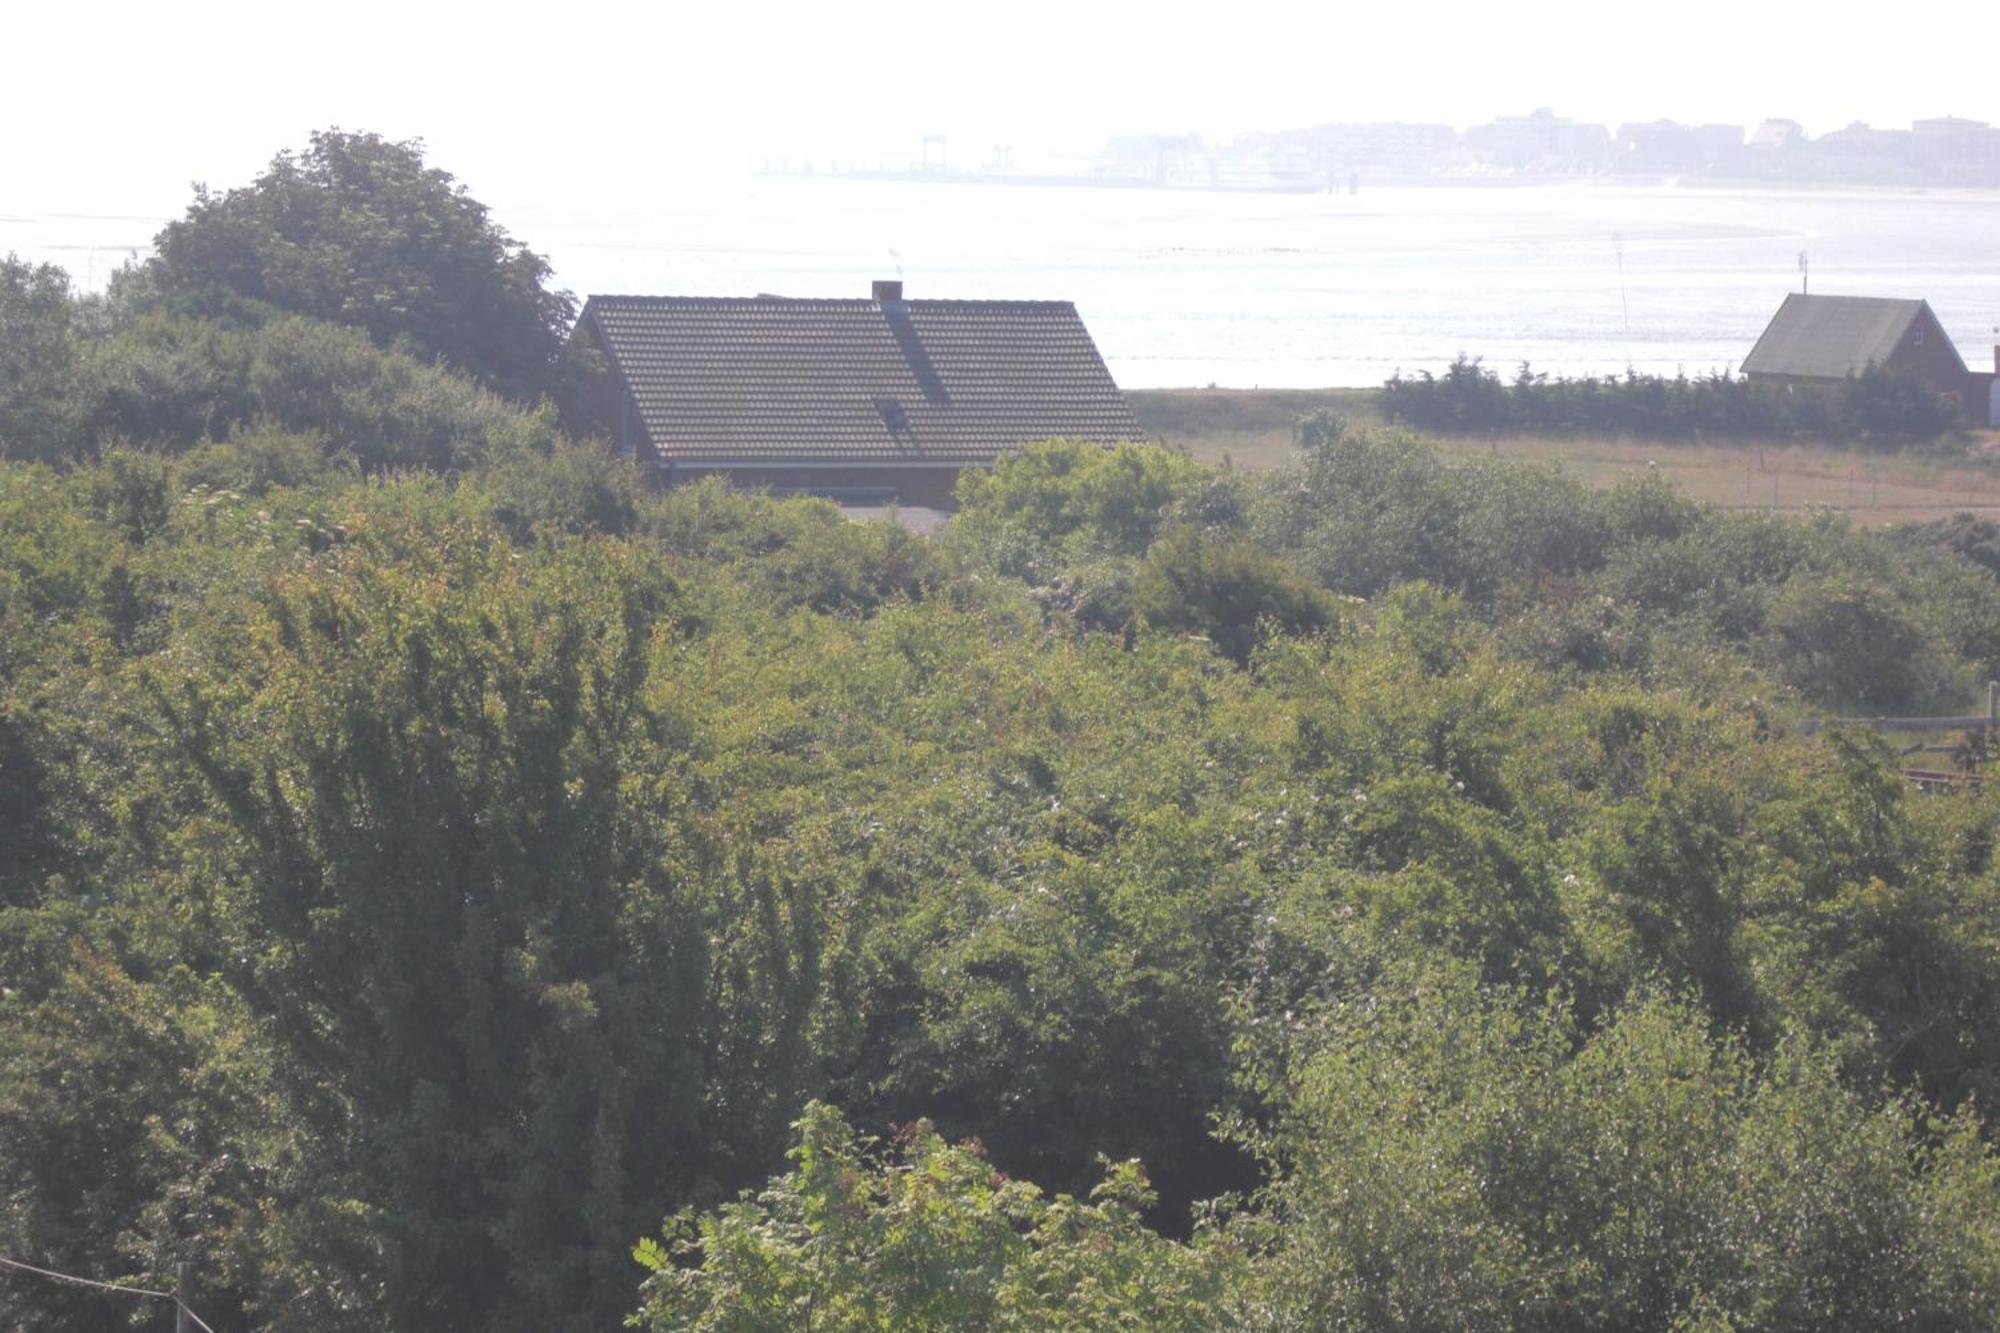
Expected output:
(1388, 181)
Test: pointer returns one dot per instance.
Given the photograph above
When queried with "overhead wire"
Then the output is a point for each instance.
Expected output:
(108, 1286)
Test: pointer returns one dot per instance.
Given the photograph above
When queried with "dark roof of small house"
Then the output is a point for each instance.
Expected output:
(770, 380)
(1830, 337)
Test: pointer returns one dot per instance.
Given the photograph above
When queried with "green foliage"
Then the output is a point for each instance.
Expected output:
(172, 1079)
(1875, 406)
(1969, 536)
(554, 486)
(256, 459)
(177, 382)
(426, 854)
(1369, 509)
(1114, 500)
(1854, 642)
(37, 362)
(356, 229)
(1456, 1157)
(1468, 398)
(930, 1237)
(1894, 408)
(1226, 589)
(1320, 428)
(414, 884)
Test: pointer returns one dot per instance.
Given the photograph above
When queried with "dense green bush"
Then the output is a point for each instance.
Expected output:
(1227, 589)
(1056, 493)
(416, 883)
(929, 1238)
(37, 361)
(175, 383)
(1874, 406)
(1452, 1157)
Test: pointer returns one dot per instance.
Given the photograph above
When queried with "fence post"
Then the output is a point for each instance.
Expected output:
(183, 1297)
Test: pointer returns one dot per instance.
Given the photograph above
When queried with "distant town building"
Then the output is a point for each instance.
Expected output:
(1946, 150)
(867, 400)
(1719, 141)
(1660, 145)
(1862, 153)
(1946, 127)
(1540, 140)
(1958, 151)
(1862, 138)
(1160, 159)
(1669, 146)
(1818, 341)
(1331, 154)
(1772, 134)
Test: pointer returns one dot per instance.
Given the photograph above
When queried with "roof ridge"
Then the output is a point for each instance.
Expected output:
(841, 379)
(855, 301)
(1826, 335)
(1842, 296)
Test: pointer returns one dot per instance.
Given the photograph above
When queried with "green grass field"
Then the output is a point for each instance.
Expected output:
(1254, 429)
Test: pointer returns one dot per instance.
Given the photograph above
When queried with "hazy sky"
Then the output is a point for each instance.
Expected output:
(117, 106)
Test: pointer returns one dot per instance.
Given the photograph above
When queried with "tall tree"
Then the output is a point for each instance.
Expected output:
(358, 230)
(37, 360)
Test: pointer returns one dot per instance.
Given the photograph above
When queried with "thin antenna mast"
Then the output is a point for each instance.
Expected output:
(1805, 275)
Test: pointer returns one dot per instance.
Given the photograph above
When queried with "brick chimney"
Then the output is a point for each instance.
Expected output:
(886, 290)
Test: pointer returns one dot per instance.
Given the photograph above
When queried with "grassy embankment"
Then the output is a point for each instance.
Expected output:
(1253, 429)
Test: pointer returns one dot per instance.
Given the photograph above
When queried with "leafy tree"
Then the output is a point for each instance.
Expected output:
(1898, 408)
(928, 1238)
(1225, 588)
(1877, 406)
(1467, 398)
(440, 893)
(1854, 643)
(172, 1083)
(416, 883)
(1452, 1156)
(175, 382)
(1112, 500)
(356, 229)
(37, 363)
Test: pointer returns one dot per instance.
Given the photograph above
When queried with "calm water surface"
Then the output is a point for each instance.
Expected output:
(1186, 288)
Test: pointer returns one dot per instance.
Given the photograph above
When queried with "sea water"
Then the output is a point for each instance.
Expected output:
(1183, 287)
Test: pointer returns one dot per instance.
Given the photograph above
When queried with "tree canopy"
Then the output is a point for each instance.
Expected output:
(1373, 893)
(358, 230)
(413, 887)
(37, 360)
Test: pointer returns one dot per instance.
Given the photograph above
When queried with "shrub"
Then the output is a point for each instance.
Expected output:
(1874, 406)
(37, 362)
(1224, 587)
(1112, 500)
(177, 382)
(1448, 1157)
(925, 1237)
(1852, 642)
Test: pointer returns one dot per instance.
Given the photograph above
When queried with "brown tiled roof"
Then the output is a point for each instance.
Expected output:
(1831, 337)
(771, 380)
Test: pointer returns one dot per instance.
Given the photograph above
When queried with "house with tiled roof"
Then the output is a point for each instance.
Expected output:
(1818, 341)
(864, 399)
